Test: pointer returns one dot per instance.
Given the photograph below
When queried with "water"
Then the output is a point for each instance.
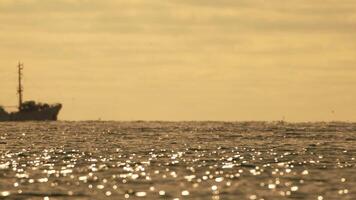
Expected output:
(177, 160)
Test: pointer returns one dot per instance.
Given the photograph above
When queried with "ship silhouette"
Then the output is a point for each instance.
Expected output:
(30, 110)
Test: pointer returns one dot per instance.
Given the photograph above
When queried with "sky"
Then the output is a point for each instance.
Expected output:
(231, 60)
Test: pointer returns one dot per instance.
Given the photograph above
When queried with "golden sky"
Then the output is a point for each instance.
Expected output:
(183, 59)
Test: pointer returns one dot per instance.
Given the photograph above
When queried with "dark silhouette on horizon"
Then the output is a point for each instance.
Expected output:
(30, 110)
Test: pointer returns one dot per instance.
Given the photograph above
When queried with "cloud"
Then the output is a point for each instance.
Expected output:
(223, 50)
(178, 17)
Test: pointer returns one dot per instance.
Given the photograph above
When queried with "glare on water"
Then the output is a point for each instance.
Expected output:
(177, 160)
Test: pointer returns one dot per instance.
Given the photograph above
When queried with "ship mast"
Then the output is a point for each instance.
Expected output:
(20, 88)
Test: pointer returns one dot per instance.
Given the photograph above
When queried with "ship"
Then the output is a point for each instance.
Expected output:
(30, 110)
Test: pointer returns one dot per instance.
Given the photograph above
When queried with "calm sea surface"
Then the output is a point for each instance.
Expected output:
(177, 160)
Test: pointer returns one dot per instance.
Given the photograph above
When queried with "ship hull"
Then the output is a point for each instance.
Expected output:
(47, 114)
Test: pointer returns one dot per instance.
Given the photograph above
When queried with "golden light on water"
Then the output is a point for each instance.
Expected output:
(179, 160)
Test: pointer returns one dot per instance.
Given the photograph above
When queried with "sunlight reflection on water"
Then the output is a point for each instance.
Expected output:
(182, 160)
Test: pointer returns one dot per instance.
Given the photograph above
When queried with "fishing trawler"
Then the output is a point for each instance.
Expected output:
(30, 110)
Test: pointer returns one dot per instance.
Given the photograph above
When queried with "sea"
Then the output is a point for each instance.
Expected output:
(177, 160)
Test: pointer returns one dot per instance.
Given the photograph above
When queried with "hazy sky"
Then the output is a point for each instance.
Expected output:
(183, 59)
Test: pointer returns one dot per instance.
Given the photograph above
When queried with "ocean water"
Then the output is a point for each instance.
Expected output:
(177, 160)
